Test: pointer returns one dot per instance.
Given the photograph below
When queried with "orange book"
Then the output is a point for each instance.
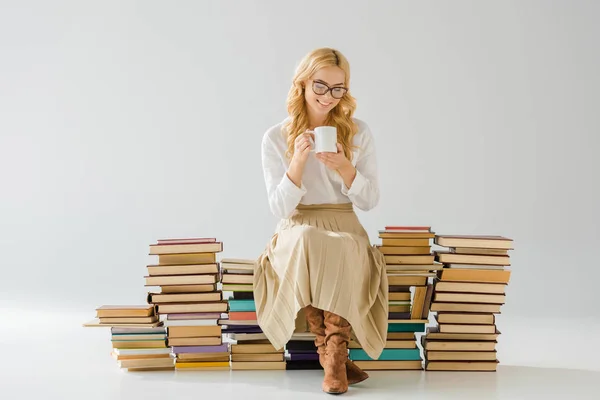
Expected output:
(243, 315)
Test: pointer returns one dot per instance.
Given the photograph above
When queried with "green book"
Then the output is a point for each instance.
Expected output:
(241, 305)
(387, 355)
(406, 327)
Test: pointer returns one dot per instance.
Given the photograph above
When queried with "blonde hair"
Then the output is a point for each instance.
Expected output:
(340, 116)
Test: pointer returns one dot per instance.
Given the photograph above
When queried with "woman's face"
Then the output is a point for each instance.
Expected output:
(321, 81)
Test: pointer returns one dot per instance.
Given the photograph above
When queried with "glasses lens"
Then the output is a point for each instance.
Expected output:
(319, 88)
(338, 92)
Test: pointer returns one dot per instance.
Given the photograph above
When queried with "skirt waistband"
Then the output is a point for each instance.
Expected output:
(326, 207)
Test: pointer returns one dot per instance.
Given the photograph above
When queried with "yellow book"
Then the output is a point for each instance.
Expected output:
(202, 364)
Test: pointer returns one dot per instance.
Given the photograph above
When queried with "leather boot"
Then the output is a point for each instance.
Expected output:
(316, 324)
(337, 336)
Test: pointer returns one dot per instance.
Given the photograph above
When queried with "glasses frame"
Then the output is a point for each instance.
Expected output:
(329, 89)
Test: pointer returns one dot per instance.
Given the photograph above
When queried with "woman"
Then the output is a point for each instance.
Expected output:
(320, 260)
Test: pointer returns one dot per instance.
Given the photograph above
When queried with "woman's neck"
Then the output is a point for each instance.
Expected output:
(316, 120)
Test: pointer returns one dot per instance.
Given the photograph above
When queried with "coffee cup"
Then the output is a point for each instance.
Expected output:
(325, 139)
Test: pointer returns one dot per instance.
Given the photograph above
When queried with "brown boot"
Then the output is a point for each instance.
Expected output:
(337, 336)
(316, 324)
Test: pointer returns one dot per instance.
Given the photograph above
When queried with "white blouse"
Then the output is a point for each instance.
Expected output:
(319, 184)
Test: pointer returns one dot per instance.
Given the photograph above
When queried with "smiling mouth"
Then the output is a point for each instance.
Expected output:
(323, 104)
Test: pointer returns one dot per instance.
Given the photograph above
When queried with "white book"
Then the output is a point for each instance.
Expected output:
(140, 352)
(190, 322)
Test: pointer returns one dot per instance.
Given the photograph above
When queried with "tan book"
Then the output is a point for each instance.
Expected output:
(129, 320)
(221, 356)
(195, 341)
(456, 345)
(469, 287)
(418, 259)
(188, 288)
(237, 279)
(401, 309)
(245, 261)
(193, 331)
(469, 298)
(389, 344)
(146, 363)
(254, 348)
(237, 287)
(461, 365)
(269, 357)
(407, 280)
(461, 355)
(465, 318)
(466, 307)
(258, 365)
(428, 300)
(418, 302)
(413, 267)
(452, 258)
(407, 321)
(159, 249)
(478, 241)
(405, 235)
(406, 242)
(95, 323)
(220, 306)
(474, 275)
(399, 296)
(158, 298)
(404, 250)
(125, 311)
(192, 269)
(185, 259)
(401, 336)
(139, 344)
(461, 328)
(483, 252)
(433, 333)
(373, 365)
(180, 280)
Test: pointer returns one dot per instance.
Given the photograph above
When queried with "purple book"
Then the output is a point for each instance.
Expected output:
(295, 351)
(194, 316)
(241, 329)
(304, 356)
(201, 349)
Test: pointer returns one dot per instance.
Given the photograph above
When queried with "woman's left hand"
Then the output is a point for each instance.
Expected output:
(335, 161)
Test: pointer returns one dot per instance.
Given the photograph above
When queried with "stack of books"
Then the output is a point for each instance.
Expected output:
(409, 265)
(468, 292)
(189, 301)
(250, 348)
(301, 352)
(138, 341)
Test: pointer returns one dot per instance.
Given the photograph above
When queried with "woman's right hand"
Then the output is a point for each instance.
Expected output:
(302, 147)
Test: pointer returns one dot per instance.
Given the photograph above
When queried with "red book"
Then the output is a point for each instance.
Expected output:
(186, 241)
(408, 228)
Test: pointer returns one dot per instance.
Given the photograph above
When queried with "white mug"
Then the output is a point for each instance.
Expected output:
(325, 139)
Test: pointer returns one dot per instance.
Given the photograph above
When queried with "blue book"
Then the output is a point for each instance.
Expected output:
(406, 327)
(388, 355)
(241, 305)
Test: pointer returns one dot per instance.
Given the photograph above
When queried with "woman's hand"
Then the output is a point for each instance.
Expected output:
(302, 148)
(338, 162)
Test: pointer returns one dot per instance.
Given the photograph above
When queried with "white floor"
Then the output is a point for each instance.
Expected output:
(51, 356)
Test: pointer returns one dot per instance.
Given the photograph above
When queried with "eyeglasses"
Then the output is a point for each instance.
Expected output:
(320, 88)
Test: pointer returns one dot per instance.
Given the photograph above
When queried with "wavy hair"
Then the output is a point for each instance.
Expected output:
(340, 116)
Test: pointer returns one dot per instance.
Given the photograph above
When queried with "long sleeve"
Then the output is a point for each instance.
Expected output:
(364, 191)
(283, 194)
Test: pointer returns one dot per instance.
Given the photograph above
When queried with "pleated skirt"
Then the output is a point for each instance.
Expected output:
(322, 256)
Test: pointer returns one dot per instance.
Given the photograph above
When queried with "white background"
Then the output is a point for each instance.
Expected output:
(125, 122)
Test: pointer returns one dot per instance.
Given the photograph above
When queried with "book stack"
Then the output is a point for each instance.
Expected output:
(409, 264)
(251, 350)
(138, 341)
(189, 301)
(468, 292)
(301, 352)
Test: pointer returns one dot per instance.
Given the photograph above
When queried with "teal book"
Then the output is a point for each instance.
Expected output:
(387, 355)
(241, 305)
(406, 327)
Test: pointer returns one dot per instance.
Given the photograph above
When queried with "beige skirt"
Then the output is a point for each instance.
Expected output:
(321, 256)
